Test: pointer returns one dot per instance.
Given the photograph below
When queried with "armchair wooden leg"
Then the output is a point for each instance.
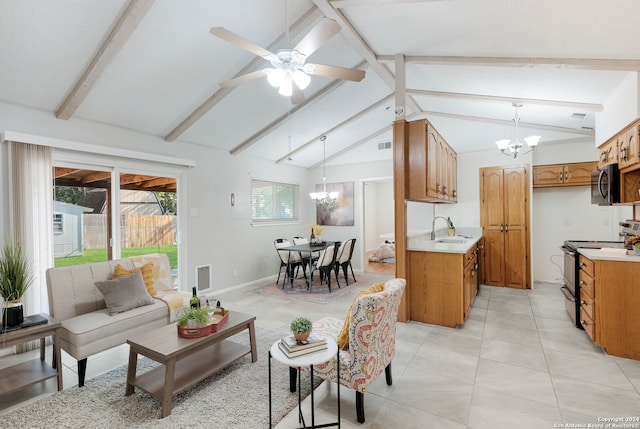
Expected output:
(293, 375)
(360, 406)
(387, 374)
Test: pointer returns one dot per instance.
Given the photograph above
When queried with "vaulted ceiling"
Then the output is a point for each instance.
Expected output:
(154, 66)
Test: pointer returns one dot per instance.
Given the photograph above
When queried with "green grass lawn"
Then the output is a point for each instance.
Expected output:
(99, 255)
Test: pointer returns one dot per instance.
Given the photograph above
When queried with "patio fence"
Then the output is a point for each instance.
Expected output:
(135, 230)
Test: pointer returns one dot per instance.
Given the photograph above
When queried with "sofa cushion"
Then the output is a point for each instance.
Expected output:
(125, 293)
(147, 275)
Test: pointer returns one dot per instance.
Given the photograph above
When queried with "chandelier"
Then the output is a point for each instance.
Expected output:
(327, 200)
(515, 146)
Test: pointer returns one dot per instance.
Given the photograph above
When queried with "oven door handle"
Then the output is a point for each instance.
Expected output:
(567, 294)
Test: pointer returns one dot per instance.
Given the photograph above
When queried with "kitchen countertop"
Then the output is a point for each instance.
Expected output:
(603, 255)
(422, 243)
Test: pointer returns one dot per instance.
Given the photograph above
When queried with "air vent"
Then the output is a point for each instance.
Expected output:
(384, 146)
(579, 116)
(587, 128)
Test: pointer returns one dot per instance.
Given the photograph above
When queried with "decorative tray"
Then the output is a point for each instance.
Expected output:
(217, 321)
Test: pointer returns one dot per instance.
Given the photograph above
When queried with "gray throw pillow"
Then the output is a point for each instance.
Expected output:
(125, 293)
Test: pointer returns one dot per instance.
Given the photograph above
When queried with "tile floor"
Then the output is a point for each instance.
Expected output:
(517, 362)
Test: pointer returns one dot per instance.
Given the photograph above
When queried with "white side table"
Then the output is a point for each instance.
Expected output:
(308, 360)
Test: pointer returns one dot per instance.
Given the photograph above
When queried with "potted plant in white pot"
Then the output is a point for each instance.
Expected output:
(15, 278)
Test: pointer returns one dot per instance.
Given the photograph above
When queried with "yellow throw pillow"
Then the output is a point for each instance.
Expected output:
(343, 336)
(147, 275)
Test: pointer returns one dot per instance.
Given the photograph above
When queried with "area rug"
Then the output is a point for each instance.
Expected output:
(319, 292)
(236, 397)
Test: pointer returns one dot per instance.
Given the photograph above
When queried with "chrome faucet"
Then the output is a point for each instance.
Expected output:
(433, 226)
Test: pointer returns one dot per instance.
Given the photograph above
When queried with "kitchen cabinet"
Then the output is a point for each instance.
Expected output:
(609, 305)
(504, 217)
(442, 286)
(628, 148)
(608, 152)
(573, 174)
(432, 165)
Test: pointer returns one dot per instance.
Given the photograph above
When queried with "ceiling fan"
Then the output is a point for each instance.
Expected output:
(290, 71)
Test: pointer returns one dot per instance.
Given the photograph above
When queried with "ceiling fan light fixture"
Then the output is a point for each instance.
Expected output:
(302, 79)
(285, 88)
(275, 77)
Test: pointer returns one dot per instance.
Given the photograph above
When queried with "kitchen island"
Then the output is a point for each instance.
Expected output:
(609, 300)
(442, 276)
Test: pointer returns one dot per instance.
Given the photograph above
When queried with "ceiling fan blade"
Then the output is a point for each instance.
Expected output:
(323, 31)
(239, 41)
(297, 96)
(338, 72)
(242, 79)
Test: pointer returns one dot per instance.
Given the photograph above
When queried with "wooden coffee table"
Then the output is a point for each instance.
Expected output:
(186, 361)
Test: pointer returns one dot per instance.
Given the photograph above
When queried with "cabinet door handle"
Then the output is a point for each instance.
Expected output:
(582, 264)
(582, 283)
(566, 176)
(583, 322)
(560, 177)
(583, 302)
(501, 228)
(506, 228)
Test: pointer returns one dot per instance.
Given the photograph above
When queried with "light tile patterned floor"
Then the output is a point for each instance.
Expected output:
(517, 362)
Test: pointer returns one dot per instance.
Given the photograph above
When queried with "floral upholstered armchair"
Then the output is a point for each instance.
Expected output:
(371, 340)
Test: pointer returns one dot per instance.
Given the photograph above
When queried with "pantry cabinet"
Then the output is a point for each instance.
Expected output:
(573, 174)
(432, 165)
(504, 217)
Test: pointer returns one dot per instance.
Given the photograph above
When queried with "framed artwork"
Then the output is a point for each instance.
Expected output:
(339, 212)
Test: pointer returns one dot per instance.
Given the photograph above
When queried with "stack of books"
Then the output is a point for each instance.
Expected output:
(291, 348)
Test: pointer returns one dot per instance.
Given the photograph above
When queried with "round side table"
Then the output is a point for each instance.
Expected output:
(304, 361)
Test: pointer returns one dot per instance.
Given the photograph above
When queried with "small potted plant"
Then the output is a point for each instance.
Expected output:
(15, 278)
(194, 323)
(301, 328)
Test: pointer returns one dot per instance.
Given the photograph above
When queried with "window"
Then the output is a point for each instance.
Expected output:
(273, 202)
(58, 226)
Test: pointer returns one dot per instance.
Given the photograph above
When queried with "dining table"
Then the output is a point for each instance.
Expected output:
(306, 251)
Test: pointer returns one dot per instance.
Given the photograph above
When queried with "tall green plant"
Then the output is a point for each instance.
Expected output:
(15, 272)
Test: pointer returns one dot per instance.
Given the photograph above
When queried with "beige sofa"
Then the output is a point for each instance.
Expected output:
(87, 326)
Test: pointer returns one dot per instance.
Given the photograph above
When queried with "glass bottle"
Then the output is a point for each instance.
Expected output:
(313, 236)
(194, 301)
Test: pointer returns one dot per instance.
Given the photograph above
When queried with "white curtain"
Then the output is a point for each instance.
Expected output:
(31, 215)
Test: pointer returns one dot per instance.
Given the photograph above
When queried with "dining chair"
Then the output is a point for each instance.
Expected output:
(325, 264)
(309, 256)
(290, 260)
(343, 259)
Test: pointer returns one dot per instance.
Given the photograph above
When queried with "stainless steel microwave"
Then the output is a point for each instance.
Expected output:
(605, 185)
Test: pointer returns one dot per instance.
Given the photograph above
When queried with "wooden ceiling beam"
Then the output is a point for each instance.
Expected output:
(122, 30)
(96, 177)
(62, 171)
(303, 24)
(352, 146)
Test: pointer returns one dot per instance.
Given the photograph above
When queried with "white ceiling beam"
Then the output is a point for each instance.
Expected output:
(301, 25)
(591, 107)
(358, 115)
(426, 113)
(356, 3)
(352, 146)
(574, 63)
(284, 118)
(362, 48)
(122, 30)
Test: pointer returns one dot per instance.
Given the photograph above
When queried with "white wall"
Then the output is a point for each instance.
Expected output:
(622, 107)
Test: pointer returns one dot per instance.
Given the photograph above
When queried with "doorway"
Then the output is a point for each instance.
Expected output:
(378, 225)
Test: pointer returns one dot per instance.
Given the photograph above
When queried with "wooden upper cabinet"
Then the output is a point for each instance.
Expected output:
(628, 147)
(574, 174)
(608, 152)
(431, 162)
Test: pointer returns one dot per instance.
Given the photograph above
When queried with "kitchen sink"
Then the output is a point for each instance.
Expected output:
(451, 240)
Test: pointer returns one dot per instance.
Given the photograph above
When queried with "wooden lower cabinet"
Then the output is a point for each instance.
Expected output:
(442, 286)
(609, 302)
